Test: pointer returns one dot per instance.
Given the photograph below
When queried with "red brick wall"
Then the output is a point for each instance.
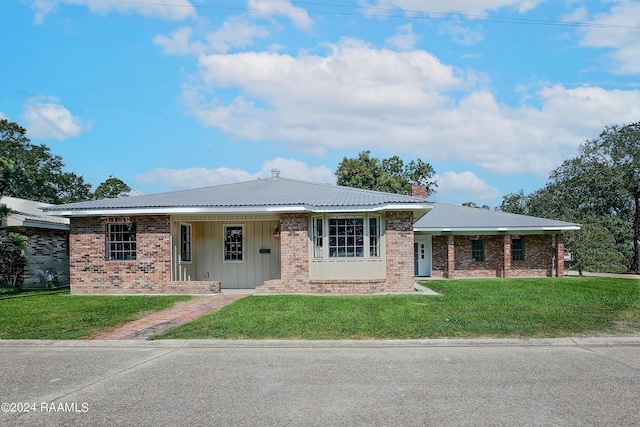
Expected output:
(399, 244)
(92, 273)
(538, 257)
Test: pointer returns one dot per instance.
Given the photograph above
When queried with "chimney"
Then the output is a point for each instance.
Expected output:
(275, 173)
(419, 191)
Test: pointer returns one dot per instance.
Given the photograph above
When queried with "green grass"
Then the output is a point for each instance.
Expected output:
(466, 308)
(59, 315)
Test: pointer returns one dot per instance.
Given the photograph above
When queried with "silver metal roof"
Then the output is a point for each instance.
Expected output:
(263, 195)
(27, 213)
(453, 218)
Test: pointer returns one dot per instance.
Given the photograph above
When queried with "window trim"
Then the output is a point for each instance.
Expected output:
(132, 252)
(190, 243)
(224, 244)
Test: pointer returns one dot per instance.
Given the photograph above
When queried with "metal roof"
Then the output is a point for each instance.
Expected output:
(452, 218)
(27, 213)
(263, 195)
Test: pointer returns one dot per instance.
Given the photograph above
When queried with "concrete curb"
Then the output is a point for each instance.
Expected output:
(317, 344)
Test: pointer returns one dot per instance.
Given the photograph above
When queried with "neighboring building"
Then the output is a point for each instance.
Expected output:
(47, 251)
(274, 235)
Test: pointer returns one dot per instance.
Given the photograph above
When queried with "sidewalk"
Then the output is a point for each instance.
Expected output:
(177, 315)
(573, 273)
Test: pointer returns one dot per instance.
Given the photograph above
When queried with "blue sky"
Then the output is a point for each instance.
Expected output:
(172, 94)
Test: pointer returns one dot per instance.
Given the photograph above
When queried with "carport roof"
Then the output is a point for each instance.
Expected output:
(275, 194)
(445, 218)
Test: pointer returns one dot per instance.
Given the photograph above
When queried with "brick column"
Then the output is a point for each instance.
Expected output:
(506, 255)
(399, 252)
(294, 251)
(451, 257)
(559, 255)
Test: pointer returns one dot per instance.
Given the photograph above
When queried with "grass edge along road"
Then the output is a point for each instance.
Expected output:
(545, 307)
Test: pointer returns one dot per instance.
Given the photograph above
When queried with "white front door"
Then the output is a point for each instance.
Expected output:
(422, 256)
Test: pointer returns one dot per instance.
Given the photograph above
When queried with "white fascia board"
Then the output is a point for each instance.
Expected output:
(228, 210)
(504, 230)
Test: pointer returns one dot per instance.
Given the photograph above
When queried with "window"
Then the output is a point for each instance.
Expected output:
(517, 249)
(121, 241)
(318, 240)
(185, 242)
(346, 237)
(233, 243)
(477, 250)
(374, 236)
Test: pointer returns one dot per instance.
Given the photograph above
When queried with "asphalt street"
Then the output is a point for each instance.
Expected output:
(337, 383)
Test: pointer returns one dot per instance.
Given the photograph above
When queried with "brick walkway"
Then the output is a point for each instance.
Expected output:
(179, 314)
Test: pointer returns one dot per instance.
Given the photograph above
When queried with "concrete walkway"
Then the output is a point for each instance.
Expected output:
(177, 315)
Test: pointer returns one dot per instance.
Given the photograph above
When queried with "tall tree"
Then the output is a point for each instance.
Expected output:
(111, 188)
(600, 188)
(389, 175)
(32, 172)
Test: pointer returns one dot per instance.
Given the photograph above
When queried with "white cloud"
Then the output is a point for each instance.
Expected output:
(202, 177)
(3, 117)
(178, 43)
(173, 10)
(404, 40)
(46, 118)
(461, 34)
(610, 33)
(407, 103)
(464, 187)
(235, 33)
(266, 8)
(476, 7)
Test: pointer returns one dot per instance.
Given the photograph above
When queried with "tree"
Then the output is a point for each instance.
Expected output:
(599, 188)
(11, 258)
(31, 172)
(111, 188)
(475, 205)
(389, 175)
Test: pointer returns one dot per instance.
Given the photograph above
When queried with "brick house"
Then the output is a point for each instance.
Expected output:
(47, 252)
(274, 235)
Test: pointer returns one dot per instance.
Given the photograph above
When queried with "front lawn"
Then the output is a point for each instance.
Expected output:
(59, 315)
(467, 308)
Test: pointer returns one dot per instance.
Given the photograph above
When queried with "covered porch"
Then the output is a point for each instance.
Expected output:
(238, 251)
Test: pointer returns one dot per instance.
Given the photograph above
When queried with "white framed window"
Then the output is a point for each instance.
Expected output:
(185, 242)
(318, 237)
(233, 243)
(121, 241)
(374, 236)
(348, 236)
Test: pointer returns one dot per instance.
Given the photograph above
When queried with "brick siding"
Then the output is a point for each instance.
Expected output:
(538, 258)
(294, 240)
(92, 273)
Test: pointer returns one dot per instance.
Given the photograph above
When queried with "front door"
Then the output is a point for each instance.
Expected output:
(422, 256)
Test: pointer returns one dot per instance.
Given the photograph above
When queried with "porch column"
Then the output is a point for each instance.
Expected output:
(506, 256)
(451, 257)
(559, 255)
